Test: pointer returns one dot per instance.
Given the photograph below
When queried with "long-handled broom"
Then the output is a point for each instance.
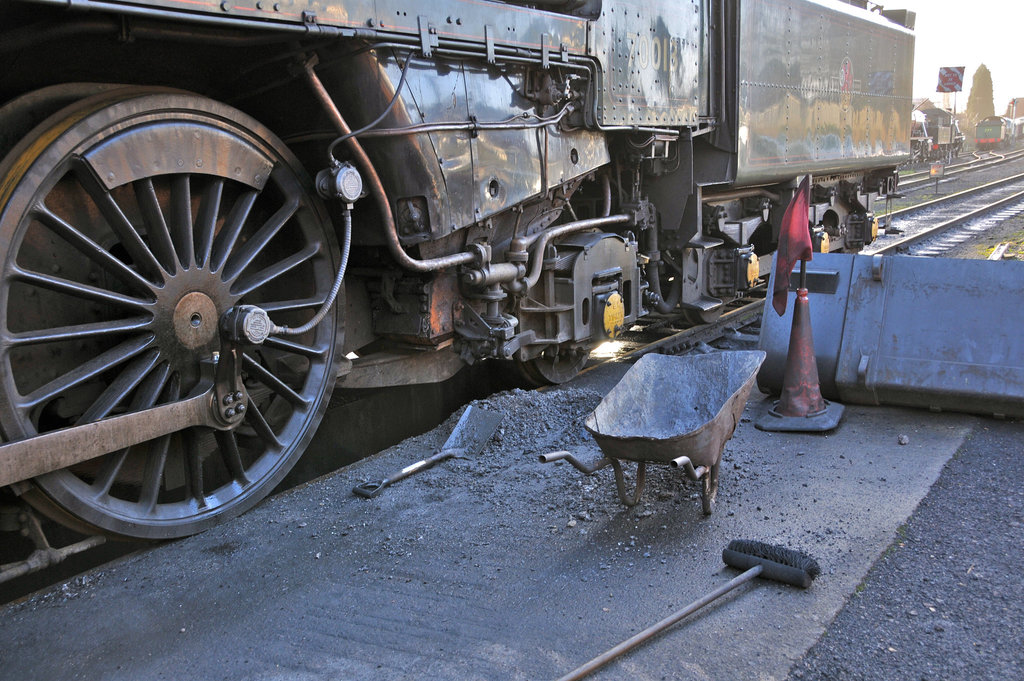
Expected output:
(781, 564)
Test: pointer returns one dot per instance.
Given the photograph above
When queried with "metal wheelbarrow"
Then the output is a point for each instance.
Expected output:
(678, 411)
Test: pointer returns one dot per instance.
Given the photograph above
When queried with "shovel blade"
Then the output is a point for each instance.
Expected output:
(474, 428)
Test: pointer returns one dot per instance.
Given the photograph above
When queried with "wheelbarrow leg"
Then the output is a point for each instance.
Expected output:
(709, 490)
(620, 483)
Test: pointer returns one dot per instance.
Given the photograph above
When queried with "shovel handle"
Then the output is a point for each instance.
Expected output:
(369, 490)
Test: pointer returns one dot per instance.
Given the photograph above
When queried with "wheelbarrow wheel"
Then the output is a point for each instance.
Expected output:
(709, 490)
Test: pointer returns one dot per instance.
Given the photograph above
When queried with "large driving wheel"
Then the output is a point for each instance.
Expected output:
(556, 369)
(131, 221)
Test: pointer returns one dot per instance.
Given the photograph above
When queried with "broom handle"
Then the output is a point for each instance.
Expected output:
(650, 631)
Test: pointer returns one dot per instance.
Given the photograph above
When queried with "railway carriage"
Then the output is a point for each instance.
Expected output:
(211, 211)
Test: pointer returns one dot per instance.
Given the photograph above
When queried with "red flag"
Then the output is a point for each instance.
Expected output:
(794, 243)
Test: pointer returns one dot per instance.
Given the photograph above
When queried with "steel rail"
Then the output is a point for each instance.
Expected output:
(674, 343)
(977, 159)
(916, 182)
(944, 226)
(951, 197)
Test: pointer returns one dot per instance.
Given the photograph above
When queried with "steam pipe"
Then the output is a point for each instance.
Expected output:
(377, 188)
(606, 188)
(540, 241)
(740, 194)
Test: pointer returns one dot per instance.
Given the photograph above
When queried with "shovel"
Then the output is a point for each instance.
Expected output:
(474, 429)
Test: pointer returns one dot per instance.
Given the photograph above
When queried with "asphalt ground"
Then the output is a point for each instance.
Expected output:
(946, 600)
(498, 567)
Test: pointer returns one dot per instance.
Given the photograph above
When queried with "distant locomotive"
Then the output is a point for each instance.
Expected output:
(994, 132)
(210, 210)
(947, 141)
(920, 140)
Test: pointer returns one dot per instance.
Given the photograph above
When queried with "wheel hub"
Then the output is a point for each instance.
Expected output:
(195, 320)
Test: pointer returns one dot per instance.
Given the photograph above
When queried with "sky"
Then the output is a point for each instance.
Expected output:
(958, 33)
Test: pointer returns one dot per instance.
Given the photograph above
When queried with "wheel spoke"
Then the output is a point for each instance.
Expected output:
(181, 221)
(152, 476)
(254, 418)
(80, 331)
(156, 461)
(228, 236)
(156, 225)
(258, 371)
(206, 222)
(145, 397)
(143, 258)
(88, 370)
(243, 287)
(228, 445)
(91, 249)
(73, 288)
(193, 461)
(293, 347)
(255, 245)
(126, 381)
(112, 465)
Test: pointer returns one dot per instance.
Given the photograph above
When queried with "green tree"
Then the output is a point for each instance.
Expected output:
(980, 103)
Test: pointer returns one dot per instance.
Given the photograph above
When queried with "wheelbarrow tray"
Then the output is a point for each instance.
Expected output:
(670, 406)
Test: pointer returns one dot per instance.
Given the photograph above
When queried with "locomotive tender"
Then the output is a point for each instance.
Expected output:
(211, 210)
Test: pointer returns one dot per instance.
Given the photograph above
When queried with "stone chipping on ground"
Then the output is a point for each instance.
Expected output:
(946, 600)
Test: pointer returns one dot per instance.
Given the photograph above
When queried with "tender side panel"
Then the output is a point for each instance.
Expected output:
(474, 21)
(654, 55)
(823, 89)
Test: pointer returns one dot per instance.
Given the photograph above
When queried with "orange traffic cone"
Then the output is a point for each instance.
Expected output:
(800, 406)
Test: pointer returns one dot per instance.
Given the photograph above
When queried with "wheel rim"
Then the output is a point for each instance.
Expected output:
(131, 221)
(555, 370)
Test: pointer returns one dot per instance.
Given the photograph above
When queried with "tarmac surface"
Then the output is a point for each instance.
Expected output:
(946, 600)
(498, 567)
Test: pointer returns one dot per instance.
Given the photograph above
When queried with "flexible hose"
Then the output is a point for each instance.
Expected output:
(377, 189)
(376, 121)
(335, 288)
(662, 305)
(665, 305)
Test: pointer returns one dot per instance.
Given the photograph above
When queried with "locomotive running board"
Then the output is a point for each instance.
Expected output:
(937, 333)
(28, 458)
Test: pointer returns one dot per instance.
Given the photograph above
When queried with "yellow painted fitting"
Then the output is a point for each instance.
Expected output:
(826, 243)
(614, 315)
(753, 271)
(874, 229)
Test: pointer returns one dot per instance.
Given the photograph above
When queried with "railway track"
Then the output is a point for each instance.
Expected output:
(955, 218)
(921, 179)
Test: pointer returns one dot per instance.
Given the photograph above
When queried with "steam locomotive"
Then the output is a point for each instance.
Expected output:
(213, 210)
